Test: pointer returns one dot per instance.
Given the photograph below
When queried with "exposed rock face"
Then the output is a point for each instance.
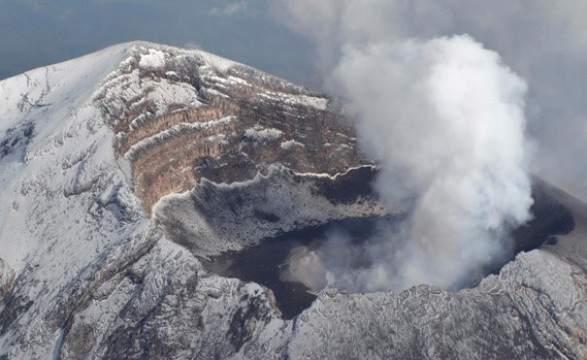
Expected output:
(90, 146)
(194, 115)
(530, 311)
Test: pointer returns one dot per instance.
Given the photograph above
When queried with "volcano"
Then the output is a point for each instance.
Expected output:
(151, 195)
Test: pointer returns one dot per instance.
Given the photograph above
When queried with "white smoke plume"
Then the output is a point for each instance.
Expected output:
(445, 118)
(543, 41)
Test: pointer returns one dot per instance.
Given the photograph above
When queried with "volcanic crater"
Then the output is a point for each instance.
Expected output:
(253, 167)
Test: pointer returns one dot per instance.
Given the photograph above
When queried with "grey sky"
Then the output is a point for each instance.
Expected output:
(37, 32)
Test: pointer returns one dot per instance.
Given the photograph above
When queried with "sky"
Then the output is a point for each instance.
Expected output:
(38, 32)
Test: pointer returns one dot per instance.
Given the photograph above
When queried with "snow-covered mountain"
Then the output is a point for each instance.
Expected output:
(126, 172)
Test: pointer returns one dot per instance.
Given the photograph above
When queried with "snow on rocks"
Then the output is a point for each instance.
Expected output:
(517, 315)
(217, 63)
(67, 215)
(290, 144)
(319, 103)
(260, 134)
(153, 60)
(172, 132)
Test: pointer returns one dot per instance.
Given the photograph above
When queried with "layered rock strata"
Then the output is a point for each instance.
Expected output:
(181, 116)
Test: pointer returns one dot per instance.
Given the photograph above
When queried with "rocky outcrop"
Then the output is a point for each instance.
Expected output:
(6, 279)
(229, 122)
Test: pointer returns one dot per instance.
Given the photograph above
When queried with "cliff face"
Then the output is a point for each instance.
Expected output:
(180, 116)
(122, 173)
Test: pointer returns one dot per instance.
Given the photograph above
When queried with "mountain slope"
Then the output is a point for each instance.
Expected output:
(78, 246)
(124, 172)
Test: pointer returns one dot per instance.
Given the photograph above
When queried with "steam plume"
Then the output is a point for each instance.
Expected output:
(445, 117)
(543, 41)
